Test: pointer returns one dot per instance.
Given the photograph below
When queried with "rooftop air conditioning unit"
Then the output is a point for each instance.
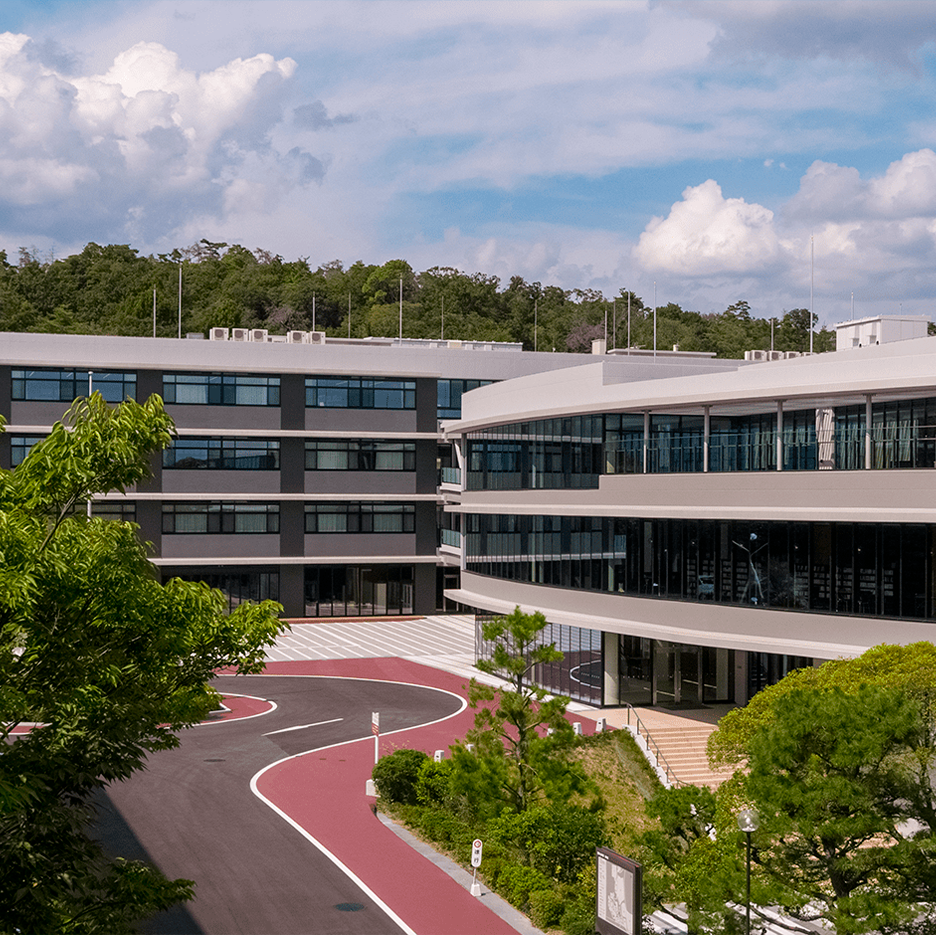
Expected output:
(258, 334)
(788, 355)
(295, 337)
(454, 343)
(240, 334)
(276, 339)
(774, 355)
(218, 334)
(315, 337)
(755, 355)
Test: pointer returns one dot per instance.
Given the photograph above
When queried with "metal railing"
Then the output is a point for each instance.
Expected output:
(641, 729)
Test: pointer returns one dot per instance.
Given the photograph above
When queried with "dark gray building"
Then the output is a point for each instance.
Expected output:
(304, 472)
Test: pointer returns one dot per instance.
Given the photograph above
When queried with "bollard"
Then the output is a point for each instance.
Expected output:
(577, 727)
(439, 756)
(600, 725)
(370, 788)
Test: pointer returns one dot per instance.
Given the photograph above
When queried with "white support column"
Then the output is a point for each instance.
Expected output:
(867, 439)
(646, 442)
(706, 435)
(779, 434)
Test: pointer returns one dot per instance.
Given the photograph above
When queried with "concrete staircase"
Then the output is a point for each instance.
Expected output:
(683, 747)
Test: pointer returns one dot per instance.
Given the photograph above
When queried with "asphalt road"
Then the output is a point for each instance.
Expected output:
(192, 812)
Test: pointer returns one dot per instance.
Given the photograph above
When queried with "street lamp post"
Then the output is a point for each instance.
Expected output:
(748, 822)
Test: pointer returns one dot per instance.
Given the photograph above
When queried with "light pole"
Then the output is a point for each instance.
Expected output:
(748, 822)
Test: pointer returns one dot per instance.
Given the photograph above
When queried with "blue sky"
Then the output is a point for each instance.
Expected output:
(709, 147)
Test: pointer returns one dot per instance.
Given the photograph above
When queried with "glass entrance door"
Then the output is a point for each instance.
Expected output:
(677, 674)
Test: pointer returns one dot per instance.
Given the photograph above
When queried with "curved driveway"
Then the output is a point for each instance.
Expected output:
(192, 812)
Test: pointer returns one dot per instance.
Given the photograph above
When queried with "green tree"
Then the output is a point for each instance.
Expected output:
(107, 659)
(832, 777)
(847, 702)
(515, 762)
(686, 863)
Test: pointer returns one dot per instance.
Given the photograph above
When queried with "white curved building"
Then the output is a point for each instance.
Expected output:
(692, 538)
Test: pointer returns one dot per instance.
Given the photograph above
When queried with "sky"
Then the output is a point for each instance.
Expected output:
(779, 152)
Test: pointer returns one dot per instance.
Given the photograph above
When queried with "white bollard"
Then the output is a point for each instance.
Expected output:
(469, 747)
(577, 728)
(439, 756)
(600, 725)
(370, 789)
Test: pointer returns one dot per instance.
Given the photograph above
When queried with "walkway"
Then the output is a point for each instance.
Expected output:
(423, 897)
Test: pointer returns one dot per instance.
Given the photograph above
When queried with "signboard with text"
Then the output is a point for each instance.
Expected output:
(619, 909)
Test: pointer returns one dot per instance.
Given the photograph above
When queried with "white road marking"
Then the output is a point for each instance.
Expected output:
(283, 730)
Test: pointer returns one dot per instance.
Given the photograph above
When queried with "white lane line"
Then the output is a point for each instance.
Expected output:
(283, 730)
(246, 717)
(295, 824)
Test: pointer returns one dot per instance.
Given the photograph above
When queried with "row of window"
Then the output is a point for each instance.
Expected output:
(360, 393)
(238, 389)
(575, 451)
(330, 590)
(246, 518)
(870, 569)
(63, 386)
(249, 454)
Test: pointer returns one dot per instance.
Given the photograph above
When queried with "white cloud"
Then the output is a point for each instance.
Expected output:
(707, 234)
(146, 130)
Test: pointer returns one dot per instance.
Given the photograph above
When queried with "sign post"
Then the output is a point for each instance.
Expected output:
(375, 730)
(619, 908)
(476, 846)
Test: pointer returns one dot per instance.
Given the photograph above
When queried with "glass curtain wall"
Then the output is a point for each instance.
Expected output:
(575, 452)
(867, 569)
(356, 590)
(237, 587)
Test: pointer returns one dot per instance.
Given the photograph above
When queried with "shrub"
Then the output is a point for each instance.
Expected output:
(559, 840)
(546, 908)
(578, 919)
(515, 883)
(395, 775)
(433, 783)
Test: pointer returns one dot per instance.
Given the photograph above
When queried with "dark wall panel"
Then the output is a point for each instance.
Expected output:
(292, 401)
(424, 599)
(292, 465)
(426, 405)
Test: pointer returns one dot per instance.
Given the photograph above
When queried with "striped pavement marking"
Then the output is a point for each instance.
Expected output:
(441, 635)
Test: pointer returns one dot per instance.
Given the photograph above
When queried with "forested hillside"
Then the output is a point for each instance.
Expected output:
(109, 290)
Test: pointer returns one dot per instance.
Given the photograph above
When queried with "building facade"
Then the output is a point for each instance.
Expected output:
(303, 472)
(691, 539)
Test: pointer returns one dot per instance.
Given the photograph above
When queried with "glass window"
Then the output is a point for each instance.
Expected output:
(20, 446)
(867, 569)
(64, 386)
(350, 590)
(221, 389)
(449, 396)
(222, 454)
(362, 455)
(208, 517)
(360, 393)
(360, 517)
(240, 587)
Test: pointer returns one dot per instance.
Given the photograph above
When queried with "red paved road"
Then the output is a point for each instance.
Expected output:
(324, 792)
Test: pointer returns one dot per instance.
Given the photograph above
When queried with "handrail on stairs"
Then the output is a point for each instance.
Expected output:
(674, 780)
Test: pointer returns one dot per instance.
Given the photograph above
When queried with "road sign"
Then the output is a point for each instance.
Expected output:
(375, 723)
(476, 852)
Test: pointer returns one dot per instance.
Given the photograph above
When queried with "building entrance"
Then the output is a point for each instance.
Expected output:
(690, 676)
